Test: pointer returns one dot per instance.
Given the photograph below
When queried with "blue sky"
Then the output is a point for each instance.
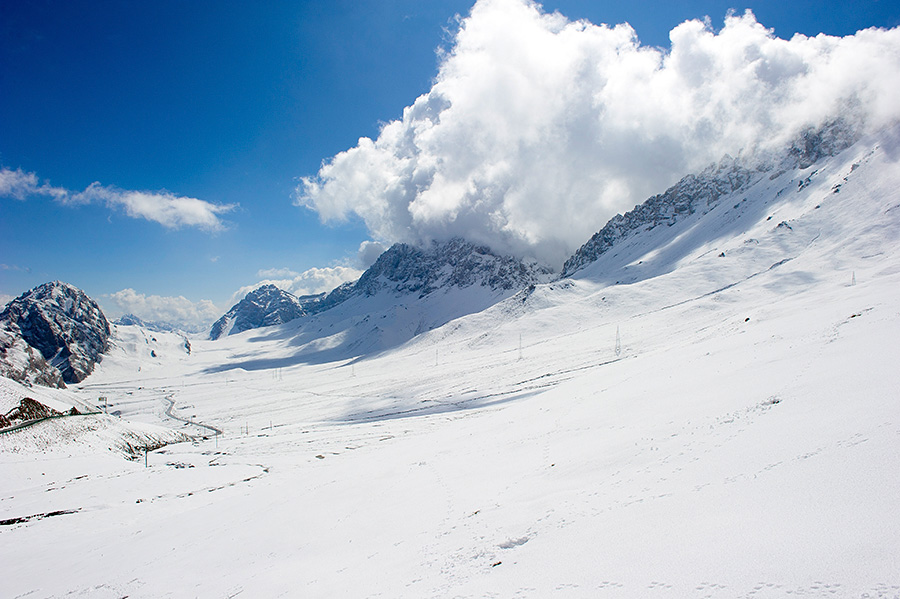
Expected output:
(231, 103)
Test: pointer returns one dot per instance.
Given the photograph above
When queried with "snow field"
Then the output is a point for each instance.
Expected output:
(744, 443)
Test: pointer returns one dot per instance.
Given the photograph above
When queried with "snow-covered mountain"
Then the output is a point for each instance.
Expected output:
(735, 394)
(402, 294)
(404, 269)
(53, 334)
(406, 292)
(456, 263)
(700, 193)
(264, 306)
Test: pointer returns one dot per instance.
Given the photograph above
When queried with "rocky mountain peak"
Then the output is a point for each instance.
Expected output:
(65, 326)
(404, 268)
(264, 306)
(692, 194)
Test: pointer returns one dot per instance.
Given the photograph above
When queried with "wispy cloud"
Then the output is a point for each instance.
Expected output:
(538, 129)
(19, 185)
(169, 210)
(15, 267)
(277, 273)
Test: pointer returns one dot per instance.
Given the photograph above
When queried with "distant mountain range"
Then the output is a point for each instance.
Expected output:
(55, 334)
(401, 270)
(156, 325)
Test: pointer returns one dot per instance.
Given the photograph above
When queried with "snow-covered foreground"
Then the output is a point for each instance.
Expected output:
(744, 441)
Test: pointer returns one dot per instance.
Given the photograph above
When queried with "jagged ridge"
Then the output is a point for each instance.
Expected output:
(406, 269)
(701, 192)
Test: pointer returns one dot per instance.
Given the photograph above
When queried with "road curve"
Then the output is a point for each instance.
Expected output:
(216, 431)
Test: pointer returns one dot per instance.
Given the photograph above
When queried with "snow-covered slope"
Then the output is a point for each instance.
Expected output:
(721, 423)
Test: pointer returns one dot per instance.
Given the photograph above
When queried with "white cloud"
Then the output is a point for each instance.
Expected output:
(19, 185)
(537, 130)
(179, 310)
(277, 273)
(309, 282)
(368, 253)
(167, 209)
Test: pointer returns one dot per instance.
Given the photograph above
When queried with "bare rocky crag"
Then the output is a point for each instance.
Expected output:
(264, 306)
(52, 335)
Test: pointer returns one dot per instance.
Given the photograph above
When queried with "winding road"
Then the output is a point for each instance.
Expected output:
(169, 413)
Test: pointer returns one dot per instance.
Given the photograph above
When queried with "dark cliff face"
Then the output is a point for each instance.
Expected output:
(63, 324)
(262, 307)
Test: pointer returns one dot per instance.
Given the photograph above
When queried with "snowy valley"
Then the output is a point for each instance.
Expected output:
(705, 404)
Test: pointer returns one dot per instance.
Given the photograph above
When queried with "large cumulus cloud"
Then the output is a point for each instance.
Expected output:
(538, 129)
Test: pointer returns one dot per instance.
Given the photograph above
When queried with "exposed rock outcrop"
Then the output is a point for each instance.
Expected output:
(52, 334)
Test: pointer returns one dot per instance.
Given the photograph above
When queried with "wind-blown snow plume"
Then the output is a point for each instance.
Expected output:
(167, 209)
(537, 129)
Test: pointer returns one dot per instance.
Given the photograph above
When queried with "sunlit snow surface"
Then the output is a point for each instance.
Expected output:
(744, 443)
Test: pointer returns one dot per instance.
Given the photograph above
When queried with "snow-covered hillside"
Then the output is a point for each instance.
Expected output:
(707, 409)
